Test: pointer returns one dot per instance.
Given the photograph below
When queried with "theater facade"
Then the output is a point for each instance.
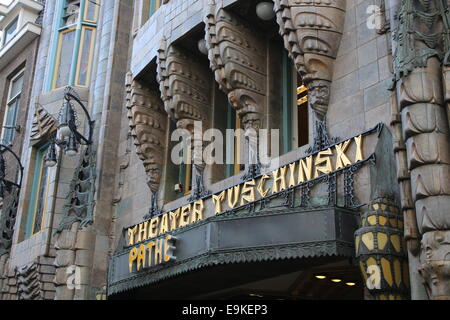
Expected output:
(231, 149)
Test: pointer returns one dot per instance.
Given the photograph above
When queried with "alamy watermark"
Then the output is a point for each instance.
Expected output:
(376, 17)
(212, 147)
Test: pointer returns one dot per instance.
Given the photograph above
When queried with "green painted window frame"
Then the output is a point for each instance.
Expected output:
(154, 5)
(80, 27)
(30, 230)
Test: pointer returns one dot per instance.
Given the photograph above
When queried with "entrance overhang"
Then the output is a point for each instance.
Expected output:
(254, 245)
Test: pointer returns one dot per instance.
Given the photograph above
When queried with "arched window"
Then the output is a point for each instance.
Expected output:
(74, 43)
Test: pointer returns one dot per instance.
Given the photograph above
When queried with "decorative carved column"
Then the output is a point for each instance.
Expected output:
(423, 41)
(185, 85)
(239, 61)
(148, 128)
(312, 32)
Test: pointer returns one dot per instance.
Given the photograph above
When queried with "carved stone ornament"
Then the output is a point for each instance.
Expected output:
(312, 32)
(148, 128)
(423, 41)
(239, 61)
(80, 201)
(43, 124)
(185, 85)
(8, 220)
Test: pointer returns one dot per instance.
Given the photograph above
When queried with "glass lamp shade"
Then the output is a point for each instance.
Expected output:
(50, 159)
(50, 164)
(66, 117)
(202, 46)
(72, 146)
(64, 131)
(264, 11)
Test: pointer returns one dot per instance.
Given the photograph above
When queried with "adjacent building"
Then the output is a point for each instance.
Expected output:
(217, 149)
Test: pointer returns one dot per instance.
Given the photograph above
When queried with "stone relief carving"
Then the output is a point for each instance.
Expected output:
(8, 220)
(185, 85)
(238, 59)
(423, 42)
(43, 124)
(312, 32)
(147, 121)
(80, 201)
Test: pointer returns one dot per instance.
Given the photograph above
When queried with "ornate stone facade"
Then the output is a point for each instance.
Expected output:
(422, 44)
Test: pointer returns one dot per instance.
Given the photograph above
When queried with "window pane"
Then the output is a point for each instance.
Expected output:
(11, 30)
(85, 57)
(16, 87)
(91, 11)
(41, 195)
(64, 61)
(10, 122)
(303, 116)
(71, 12)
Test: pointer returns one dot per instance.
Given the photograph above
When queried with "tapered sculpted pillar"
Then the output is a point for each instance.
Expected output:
(185, 85)
(238, 58)
(147, 121)
(312, 33)
(423, 43)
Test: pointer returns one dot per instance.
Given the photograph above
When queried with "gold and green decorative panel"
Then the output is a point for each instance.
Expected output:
(381, 251)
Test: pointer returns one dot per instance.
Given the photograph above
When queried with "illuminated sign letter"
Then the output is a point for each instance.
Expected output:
(164, 227)
(173, 219)
(132, 258)
(342, 160)
(248, 192)
(305, 170)
(281, 178)
(142, 233)
(153, 232)
(141, 257)
(359, 149)
(261, 184)
(233, 196)
(131, 234)
(197, 211)
(323, 163)
(184, 217)
(218, 199)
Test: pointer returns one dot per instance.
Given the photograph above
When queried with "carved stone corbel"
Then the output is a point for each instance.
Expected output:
(312, 32)
(43, 124)
(147, 121)
(423, 39)
(185, 85)
(238, 59)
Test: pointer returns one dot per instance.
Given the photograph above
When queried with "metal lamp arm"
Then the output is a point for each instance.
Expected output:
(69, 96)
(4, 148)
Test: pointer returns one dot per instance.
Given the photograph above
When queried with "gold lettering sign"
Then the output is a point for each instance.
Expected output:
(289, 176)
(154, 253)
